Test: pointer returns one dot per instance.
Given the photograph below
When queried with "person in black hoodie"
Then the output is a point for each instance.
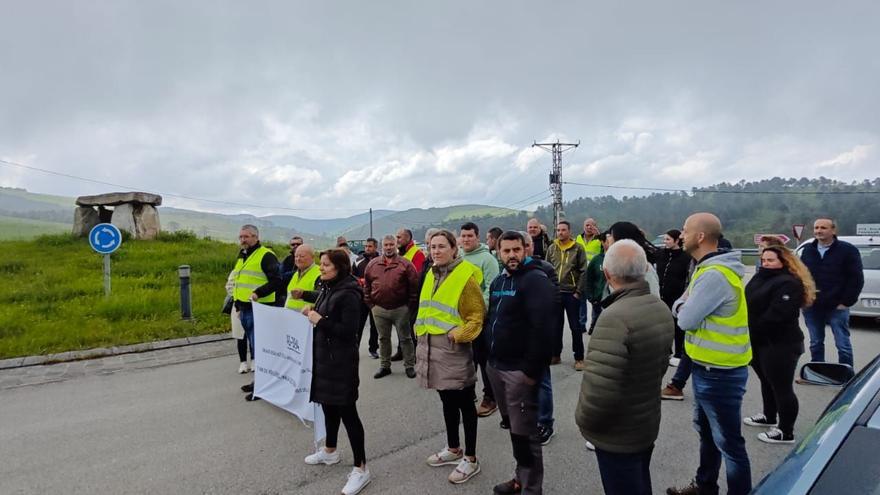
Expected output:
(359, 270)
(673, 265)
(774, 297)
(335, 380)
(519, 337)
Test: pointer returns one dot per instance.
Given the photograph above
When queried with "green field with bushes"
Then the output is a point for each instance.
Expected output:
(55, 297)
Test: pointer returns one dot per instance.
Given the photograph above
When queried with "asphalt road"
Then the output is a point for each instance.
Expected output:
(185, 428)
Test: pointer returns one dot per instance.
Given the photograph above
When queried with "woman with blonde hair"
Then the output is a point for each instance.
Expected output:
(775, 296)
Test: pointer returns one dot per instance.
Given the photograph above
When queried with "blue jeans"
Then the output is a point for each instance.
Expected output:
(545, 400)
(582, 314)
(571, 308)
(247, 322)
(682, 372)
(718, 395)
(816, 319)
(625, 474)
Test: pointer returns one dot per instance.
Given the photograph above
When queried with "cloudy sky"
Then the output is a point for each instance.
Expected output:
(334, 107)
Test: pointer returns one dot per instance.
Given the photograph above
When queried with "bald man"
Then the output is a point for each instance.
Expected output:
(540, 241)
(712, 312)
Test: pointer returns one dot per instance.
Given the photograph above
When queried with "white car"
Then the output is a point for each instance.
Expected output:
(868, 304)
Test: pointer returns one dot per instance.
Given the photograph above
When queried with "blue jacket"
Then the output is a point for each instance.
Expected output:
(838, 275)
(519, 329)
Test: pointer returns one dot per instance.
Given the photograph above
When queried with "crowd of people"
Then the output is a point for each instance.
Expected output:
(464, 312)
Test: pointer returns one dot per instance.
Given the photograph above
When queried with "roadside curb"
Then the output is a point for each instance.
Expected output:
(100, 352)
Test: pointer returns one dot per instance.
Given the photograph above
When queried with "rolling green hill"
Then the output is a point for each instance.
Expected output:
(25, 228)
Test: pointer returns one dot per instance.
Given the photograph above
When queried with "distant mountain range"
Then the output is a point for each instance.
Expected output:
(25, 214)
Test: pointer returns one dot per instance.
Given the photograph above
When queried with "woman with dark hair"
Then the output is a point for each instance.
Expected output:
(673, 265)
(450, 317)
(629, 230)
(336, 316)
(775, 296)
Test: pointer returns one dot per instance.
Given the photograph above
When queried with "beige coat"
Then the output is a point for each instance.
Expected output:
(444, 365)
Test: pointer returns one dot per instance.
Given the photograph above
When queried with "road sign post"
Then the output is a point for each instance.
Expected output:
(798, 231)
(105, 238)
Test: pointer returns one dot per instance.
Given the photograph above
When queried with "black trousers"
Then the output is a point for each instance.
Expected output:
(348, 415)
(373, 341)
(242, 345)
(458, 407)
(775, 365)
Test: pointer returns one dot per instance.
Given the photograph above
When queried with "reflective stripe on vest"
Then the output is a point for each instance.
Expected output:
(592, 248)
(722, 340)
(411, 252)
(305, 282)
(438, 312)
(248, 276)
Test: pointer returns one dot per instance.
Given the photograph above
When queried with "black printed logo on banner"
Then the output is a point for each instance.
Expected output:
(293, 344)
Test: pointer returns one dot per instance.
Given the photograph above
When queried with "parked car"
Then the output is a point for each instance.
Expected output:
(839, 454)
(868, 304)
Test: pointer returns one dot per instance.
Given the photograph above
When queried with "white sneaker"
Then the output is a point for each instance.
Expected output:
(251, 366)
(444, 457)
(589, 445)
(464, 471)
(674, 361)
(242, 368)
(321, 456)
(357, 479)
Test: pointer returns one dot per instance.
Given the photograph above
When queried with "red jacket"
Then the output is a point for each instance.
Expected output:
(391, 283)
(418, 260)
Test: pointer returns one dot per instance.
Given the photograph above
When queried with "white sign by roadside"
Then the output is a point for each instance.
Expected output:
(283, 374)
(868, 229)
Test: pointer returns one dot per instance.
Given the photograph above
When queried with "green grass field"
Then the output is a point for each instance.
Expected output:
(56, 298)
(25, 228)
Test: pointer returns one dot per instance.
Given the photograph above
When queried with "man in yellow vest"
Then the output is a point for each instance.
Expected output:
(305, 278)
(256, 277)
(712, 312)
(589, 240)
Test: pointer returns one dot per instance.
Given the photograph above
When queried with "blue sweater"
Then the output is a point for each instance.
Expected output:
(838, 275)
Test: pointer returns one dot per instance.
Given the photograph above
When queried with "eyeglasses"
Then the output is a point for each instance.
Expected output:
(296, 244)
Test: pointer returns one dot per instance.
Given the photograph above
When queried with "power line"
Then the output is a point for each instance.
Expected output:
(708, 191)
(526, 198)
(182, 196)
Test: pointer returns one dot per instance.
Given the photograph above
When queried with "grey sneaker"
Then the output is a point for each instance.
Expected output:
(444, 457)
(464, 471)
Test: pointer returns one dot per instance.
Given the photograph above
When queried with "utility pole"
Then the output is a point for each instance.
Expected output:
(371, 222)
(557, 149)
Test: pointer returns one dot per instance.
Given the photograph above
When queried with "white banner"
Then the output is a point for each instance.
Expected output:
(283, 375)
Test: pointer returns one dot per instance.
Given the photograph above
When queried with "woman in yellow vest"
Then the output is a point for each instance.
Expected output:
(450, 317)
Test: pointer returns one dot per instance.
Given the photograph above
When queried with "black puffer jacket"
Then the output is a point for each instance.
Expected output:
(335, 354)
(672, 271)
(774, 298)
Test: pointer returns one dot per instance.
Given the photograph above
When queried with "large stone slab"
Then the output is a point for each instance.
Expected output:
(84, 218)
(119, 198)
(147, 222)
(123, 218)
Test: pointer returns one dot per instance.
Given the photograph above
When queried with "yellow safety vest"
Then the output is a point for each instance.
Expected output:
(722, 340)
(438, 312)
(411, 252)
(248, 275)
(592, 248)
(304, 281)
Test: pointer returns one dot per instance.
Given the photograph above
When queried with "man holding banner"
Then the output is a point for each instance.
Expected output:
(255, 279)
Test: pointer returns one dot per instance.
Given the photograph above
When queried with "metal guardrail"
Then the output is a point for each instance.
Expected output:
(747, 251)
